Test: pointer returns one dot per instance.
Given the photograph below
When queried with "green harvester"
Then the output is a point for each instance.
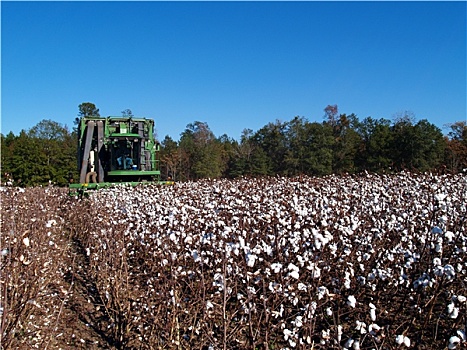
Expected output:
(116, 150)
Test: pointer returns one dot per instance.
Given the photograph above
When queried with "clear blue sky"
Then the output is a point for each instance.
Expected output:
(233, 65)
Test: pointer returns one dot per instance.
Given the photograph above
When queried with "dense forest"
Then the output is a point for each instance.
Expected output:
(340, 144)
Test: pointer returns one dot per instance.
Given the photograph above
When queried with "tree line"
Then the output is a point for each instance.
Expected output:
(340, 144)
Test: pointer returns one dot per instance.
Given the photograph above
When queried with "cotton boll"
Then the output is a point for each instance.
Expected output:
(298, 321)
(452, 310)
(373, 314)
(294, 274)
(407, 341)
(361, 326)
(276, 267)
(315, 270)
(351, 301)
(348, 344)
(402, 339)
(322, 291)
(287, 333)
(449, 235)
(438, 270)
(361, 280)
(293, 267)
(339, 333)
(449, 272)
(250, 259)
(373, 328)
(462, 335)
(454, 341)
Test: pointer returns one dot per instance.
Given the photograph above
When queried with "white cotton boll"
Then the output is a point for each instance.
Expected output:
(50, 223)
(276, 267)
(453, 311)
(329, 311)
(322, 291)
(361, 280)
(372, 312)
(361, 326)
(407, 341)
(293, 267)
(195, 256)
(347, 280)
(26, 241)
(356, 345)
(439, 245)
(438, 270)
(436, 261)
(339, 333)
(325, 335)
(250, 259)
(302, 287)
(402, 339)
(333, 248)
(461, 334)
(209, 305)
(461, 298)
(453, 342)
(317, 244)
(351, 301)
(298, 321)
(294, 274)
(451, 307)
(348, 344)
(301, 260)
(373, 328)
(449, 271)
(315, 270)
(449, 235)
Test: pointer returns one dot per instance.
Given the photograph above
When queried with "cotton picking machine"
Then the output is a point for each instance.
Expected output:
(115, 150)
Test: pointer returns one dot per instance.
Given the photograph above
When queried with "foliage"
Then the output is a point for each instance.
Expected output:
(89, 109)
(46, 154)
(338, 145)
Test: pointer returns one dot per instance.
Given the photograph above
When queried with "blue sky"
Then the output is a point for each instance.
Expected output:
(233, 65)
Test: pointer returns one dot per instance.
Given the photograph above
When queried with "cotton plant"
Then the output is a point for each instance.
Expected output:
(300, 269)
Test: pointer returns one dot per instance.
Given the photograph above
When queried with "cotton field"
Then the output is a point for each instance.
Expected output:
(338, 262)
